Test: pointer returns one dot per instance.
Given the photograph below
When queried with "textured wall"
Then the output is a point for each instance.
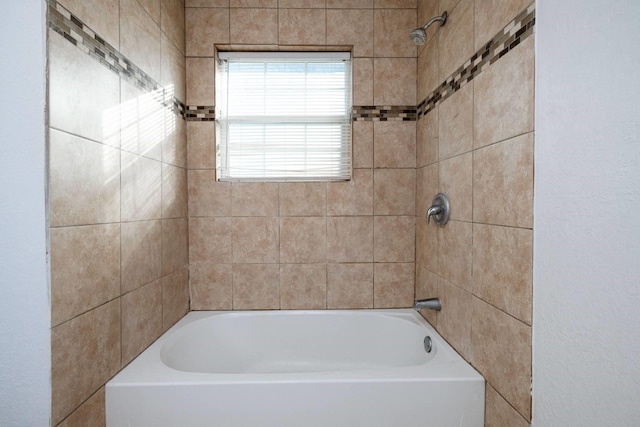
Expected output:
(307, 245)
(25, 367)
(117, 191)
(475, 143)
(586, 320)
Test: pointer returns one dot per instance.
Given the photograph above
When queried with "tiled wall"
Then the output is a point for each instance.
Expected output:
(476, 145)
(308, 245)
(117, 191)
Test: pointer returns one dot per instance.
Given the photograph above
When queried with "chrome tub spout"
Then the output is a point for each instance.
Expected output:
(430, 303)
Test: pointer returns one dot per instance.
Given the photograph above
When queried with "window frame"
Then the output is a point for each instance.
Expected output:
(333, 123)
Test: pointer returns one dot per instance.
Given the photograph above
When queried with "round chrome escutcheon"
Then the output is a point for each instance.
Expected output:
(428, 345)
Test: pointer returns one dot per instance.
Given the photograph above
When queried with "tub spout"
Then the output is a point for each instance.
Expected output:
(430, 303)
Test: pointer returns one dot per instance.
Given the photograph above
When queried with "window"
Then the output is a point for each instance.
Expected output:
(283, 116)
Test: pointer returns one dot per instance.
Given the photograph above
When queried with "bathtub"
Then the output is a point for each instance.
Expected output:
(297, 368)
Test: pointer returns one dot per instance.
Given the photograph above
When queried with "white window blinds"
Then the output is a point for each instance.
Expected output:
(283, 116)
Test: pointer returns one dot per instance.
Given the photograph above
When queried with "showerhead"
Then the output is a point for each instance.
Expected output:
(419, 35)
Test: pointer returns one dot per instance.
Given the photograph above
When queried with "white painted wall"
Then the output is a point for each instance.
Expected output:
(24, 291)
(586, 324)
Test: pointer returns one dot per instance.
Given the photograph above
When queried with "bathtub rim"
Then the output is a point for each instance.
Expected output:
(149, 369)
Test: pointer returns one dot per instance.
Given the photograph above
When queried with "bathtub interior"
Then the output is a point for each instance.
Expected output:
(285, 342)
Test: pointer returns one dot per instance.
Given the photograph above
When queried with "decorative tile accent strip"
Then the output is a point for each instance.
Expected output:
(84, 38)
(385, 113)
(200, 113)
(511, 36)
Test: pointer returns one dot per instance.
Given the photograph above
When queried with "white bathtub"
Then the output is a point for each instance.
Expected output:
(297, 368)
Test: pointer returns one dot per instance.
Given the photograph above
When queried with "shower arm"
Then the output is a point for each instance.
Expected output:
(442, 20)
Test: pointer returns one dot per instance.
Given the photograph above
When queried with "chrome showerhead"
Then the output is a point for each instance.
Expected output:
(419, 35)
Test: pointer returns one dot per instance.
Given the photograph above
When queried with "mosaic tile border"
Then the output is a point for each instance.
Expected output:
(502, 43)
(76, 32)
(402, 113)
(63, 22)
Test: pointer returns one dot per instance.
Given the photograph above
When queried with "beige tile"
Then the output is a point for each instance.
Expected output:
(499, 413)
(90, 414)
(428, 68)
(350, 4)
(174, 192)
(102, 16)
(362, 80)
(85, 353)
(427, 287)
(394, 144)
(254, 3)
(502, 268)
(140, 188)
(256, 240)
(141, 253)
(256, 286)
(174, 143)
(141, 319)
(302, 26)
(303, 199)
(503, 183)
(254, 199)
(503, 96)
(493, 16)
(352, 27)
(502, 353)
(303, 286)
(455, 318)
(362, 144)
(81, 87)
(208, 197)
(456, 123)
(303, 240)
(455, 39)
(153, 8)
(206, 3)
(456, 181)
(427, 185)
(394, 81)
(140, 38)
(301, 4)
(391, 36)
(142, 118)
(263, 28)
(394, 191)
(393, 285)
(211, 286)
(446, 5)
(426, 245)
(395, 3)
(205, 27)
(201, 82)
(349, 286)
(85, 269)
(172, 21)
(455, 252)
(175, 297)
(175, 249)
(201, 145)
(394, 239)
(210, 240)
(353, 197)
(350, 239)
(84, 181)
(427, 139)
